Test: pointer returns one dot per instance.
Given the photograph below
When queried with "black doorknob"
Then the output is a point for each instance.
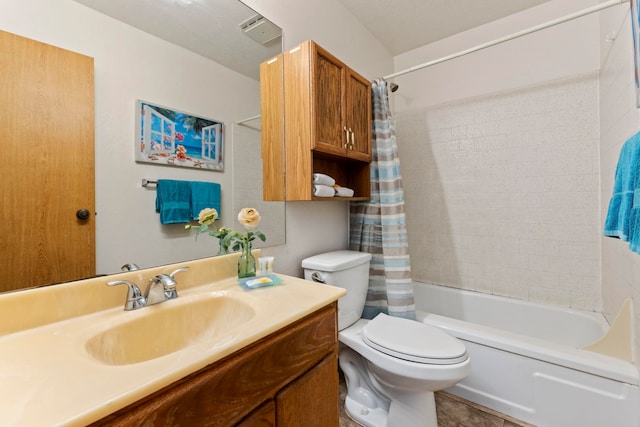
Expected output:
(83, 214)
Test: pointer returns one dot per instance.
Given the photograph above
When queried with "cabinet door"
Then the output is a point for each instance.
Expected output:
(264, 416)
(328, 93)
(311, 400)
(358, 122)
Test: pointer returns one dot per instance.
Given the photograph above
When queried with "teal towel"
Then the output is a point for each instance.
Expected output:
(173, 201)
(204, 195)
(623, 216)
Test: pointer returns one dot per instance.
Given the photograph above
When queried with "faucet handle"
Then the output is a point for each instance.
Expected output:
(129, 267)
(170, 284)
(173, 274)
(135, 299)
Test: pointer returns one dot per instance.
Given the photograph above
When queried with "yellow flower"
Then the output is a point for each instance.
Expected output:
(249, 218)
(207, 216)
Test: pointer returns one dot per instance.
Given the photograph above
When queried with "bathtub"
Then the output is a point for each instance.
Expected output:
(526, 360)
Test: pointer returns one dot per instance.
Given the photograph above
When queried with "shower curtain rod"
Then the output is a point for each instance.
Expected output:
(248, 119)
(530, 30)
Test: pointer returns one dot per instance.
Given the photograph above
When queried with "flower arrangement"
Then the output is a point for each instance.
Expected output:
(249, 218)
(206, 218)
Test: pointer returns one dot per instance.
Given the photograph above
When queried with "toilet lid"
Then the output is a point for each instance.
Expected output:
(414, 341)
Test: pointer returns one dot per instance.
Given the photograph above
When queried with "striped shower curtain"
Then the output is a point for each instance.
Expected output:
(378, 226)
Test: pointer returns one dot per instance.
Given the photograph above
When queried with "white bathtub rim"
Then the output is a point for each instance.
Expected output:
(559, 314)
(569, 357)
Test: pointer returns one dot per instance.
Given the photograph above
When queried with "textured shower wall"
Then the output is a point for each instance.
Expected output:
(619, 119)
(502, 192)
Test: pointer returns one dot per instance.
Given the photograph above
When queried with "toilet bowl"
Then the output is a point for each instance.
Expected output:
(392, 366)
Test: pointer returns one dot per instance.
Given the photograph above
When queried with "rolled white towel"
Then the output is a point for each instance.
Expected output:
(344, 192)
(322, 179)
(323, 191)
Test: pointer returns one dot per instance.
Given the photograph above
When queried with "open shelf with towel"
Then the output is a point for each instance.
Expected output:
(347, 173)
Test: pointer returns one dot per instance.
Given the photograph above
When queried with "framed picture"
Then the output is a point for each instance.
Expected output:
(635, 33)
(170, 137)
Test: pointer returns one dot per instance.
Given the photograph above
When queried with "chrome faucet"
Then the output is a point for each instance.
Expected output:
(134, 300)
(161, 288)
(129, 267)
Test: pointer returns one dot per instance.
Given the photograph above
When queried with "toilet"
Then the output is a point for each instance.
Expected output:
(392, 365)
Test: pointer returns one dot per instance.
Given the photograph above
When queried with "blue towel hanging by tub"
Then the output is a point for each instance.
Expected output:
(623, 216)
(204, 195)
(173, 201)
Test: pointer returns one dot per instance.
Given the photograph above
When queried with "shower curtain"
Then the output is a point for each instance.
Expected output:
(378, 225)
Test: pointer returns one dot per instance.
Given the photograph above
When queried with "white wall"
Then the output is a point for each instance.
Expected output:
(561, 51)
(619, 119)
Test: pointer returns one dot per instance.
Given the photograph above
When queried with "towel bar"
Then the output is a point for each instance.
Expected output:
(146, 182)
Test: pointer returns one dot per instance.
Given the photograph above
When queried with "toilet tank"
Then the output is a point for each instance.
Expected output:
(344, 269)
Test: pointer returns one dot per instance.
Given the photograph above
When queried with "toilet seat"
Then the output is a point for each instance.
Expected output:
(413, 341)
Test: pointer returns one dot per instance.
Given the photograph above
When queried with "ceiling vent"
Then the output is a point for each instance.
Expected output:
(260, 29)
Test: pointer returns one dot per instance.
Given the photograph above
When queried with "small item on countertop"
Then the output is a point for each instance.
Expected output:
(265, 265)
(260, 281)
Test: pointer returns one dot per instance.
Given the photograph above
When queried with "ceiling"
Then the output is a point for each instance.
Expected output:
(403, 25)
(211, 28)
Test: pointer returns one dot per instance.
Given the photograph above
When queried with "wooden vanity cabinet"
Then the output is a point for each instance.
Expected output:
(289, 378)
(327, 111)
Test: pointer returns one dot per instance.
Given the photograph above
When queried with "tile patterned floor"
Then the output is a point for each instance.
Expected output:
(453, 411)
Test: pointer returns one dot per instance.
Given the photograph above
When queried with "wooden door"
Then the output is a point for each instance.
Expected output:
(358, 110)
(47, 142)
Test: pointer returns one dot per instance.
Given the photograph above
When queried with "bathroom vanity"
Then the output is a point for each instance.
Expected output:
(264, 356)
(284, 379)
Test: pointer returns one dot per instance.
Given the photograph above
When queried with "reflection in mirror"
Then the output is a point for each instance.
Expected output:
(130, 65)
(247, 183)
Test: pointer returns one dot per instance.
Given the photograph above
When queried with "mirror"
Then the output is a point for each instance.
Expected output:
(131, 65)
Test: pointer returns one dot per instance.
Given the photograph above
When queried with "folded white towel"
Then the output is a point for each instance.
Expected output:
(322, 179)
(344, 192)
(323, 191)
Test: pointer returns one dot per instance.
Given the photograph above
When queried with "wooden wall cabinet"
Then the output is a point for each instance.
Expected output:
(327, 123)
(289, 378)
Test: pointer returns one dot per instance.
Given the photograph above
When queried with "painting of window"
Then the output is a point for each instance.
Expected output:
(170, 137)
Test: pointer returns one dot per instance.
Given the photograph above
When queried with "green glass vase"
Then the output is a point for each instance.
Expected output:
(223, 247)
(246, 263)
